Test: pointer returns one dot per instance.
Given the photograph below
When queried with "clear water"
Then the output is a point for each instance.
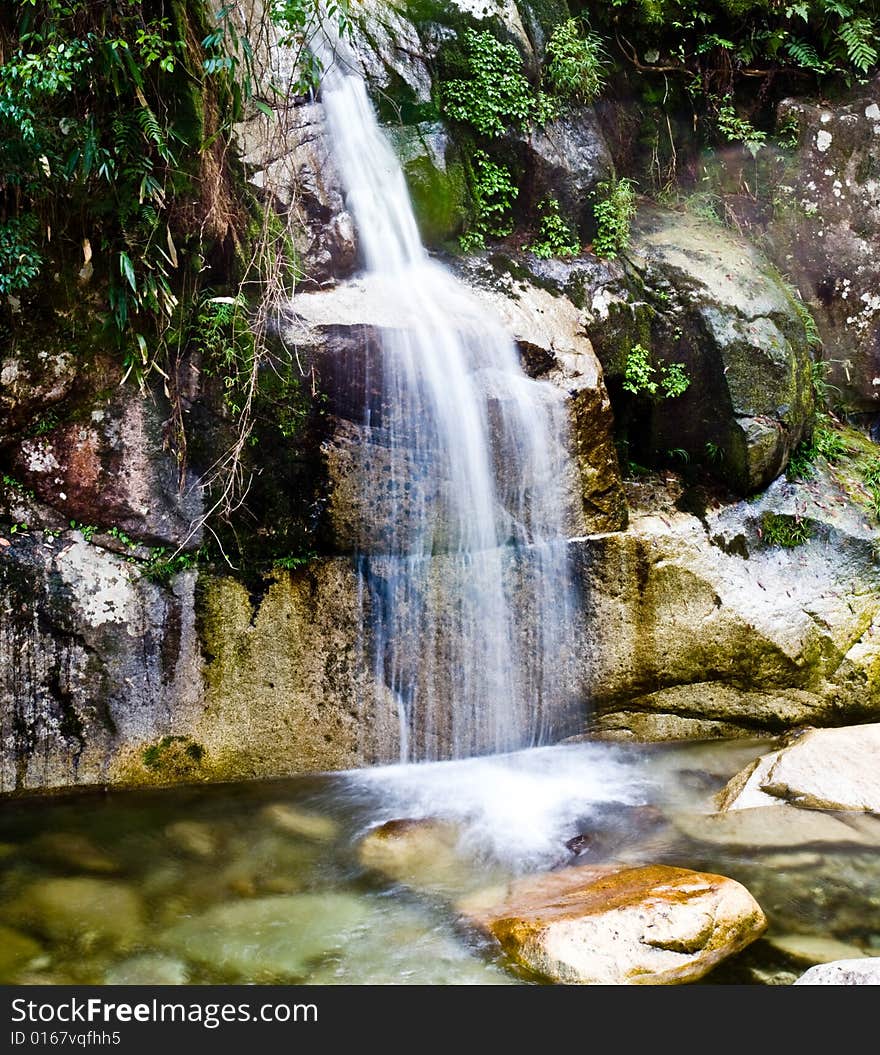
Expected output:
(465, 577)
(262, 882)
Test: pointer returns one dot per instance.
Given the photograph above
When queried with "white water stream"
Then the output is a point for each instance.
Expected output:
(470, 597)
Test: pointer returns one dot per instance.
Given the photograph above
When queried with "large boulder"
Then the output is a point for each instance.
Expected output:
(654, 925)
(700, 624)
(826, 234)
(725, 315)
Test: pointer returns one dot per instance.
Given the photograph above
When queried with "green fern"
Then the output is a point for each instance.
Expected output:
(858, 35)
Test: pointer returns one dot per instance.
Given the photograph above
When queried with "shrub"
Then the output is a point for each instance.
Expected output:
(614, 209)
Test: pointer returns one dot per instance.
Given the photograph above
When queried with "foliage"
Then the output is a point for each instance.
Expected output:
(736, 129)
(495, 94)
(576, 66)
(20, 257)
(614, 209)
(826, 442)
(743, 37)
(778, 529)
(638, 375)
(555, 236)
(641, 377)
(494, 192)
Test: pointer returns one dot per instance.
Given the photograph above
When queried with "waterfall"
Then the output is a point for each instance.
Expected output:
(469, 595)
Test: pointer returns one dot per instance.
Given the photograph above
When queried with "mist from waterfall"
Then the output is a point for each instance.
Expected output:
(469, 596)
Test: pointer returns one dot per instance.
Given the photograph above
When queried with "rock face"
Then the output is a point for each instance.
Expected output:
(567, 159)
(338, 330)
(701, 626)
(723, 313)
(107, 468)
(95, 656)
(643, 926)
(823, 769)
(826, 234)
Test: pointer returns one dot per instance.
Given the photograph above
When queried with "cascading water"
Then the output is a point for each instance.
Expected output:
(470, 595)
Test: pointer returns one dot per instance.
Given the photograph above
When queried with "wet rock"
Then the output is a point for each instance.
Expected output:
(843, 972)
(272, 939)
(111, 468)
(147, 969)
(566, 159)
(18, 952)
(823, 769)
(78, 685)
(82, 911)
(32, 381)
(295, 821)
(425, 854)
(644, 926)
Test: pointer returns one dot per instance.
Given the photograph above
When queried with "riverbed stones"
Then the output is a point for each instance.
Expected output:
(807, 950)
(294, 821)
(147, 969)
(654, 925)
(269, 939)
(823, 769)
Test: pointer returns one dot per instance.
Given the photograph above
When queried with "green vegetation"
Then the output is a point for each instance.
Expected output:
(642, 378)
(614, 209)
(576, 62)
(555, 236)
(495, 93)
(173, 753)
(494, 192)
(824, 37)
(778, 529)
(736, 129)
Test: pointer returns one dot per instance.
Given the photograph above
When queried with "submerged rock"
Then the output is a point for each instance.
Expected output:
(71, 851)
(148, 969)
(18, 952)
(295, 821)
(643, 926)
(425, 854)
(772, 827)
(270, 939)
(823, 769)
(80, 911)
(806, 950)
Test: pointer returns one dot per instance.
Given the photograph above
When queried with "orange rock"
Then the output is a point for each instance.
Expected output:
(655, 925)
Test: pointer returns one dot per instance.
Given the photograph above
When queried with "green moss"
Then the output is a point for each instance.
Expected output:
(174, 758)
